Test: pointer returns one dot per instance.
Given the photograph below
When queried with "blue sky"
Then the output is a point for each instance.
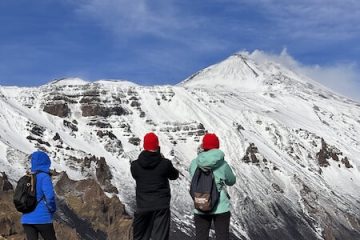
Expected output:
(165, 41)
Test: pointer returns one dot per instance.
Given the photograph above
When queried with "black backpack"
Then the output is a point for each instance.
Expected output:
(25, 194)
(203, 190)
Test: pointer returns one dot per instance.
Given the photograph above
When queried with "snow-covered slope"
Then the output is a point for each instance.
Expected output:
(292, 143)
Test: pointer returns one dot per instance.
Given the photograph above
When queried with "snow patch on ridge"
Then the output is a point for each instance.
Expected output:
(69, 82)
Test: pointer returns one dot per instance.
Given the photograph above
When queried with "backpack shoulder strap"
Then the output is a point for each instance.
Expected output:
(35, 174)
(40, 171)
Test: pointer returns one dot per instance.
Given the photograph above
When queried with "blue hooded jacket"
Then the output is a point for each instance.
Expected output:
(46, 207)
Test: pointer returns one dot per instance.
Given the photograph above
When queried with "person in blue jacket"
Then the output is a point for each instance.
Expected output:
(41, 219)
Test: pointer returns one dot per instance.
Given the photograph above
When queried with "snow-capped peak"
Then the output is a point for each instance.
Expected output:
(69, 81)
(246, 72)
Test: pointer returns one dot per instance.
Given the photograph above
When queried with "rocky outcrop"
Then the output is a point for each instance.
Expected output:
(89, 110)
(328, 152)
(102, 170)
(84, 212)
(11, 227)
(59, 109)
(102, 216)
(38, 140)
(135, 141)
(104, 176)
(70, 125)
(5, 185)
(250, 155)
(9, 217)
(99, 124)
(37, 130)
(111, 143)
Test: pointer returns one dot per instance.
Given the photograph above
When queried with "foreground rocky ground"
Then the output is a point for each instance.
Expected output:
(84, 212)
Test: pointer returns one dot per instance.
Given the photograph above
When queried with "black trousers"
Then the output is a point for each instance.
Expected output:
(46, 231)
(152, 224)
(203, 225)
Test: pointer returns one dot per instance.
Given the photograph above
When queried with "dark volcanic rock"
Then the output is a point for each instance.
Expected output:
(252, 149)
(322, 158)
(70, 125)
(39, 140)
(100, 124)
(5, 185)
(99, 216)
(57, 109)
(104, 176)
(56, 137)
(345, 161)
(277, 188)
(250, 154)
(134, 141)
(135, 104)
(89, 110)
(328, 152)
(110, 134)
(11, 227)
(38, 130)
(254, 158)
(9, 217)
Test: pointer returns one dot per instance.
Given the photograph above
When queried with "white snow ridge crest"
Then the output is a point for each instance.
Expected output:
(292, 143)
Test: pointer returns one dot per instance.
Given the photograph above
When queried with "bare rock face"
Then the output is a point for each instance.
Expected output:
(9, 217)
(98, 214)
(84, 212)
(89, 110)
(57, 109)
(104, 176)
(70, 125)
(66, 232)
(135, 141)
(11, 227)
(5, 185)
(250, 155)
(328, 152)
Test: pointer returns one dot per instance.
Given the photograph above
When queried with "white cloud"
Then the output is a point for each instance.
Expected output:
(159, 17)
(343, 78)
(314, 19)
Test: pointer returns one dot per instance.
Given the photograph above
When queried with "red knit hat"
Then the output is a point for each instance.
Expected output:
(151, 142)
(210, 141)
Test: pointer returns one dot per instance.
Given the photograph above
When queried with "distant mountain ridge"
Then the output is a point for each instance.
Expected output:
(292, 143)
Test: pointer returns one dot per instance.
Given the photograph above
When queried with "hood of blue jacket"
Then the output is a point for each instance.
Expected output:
(210, 159)
(40, 161)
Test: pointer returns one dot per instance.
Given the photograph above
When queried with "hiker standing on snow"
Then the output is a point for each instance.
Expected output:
(41, 219)
(211, 161)
(152, 172)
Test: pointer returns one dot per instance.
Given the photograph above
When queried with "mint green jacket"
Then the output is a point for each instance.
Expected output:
(214, 159)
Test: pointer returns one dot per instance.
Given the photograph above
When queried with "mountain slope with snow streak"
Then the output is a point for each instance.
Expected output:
(292, 143)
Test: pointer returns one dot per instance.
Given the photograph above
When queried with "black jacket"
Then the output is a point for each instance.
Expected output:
(152, 173)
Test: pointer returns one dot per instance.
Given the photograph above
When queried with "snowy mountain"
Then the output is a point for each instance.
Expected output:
(292, 143)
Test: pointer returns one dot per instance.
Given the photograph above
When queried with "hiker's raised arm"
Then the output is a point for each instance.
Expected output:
(173, 172)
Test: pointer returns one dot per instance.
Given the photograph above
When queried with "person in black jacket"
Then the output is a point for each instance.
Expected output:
(152, 173)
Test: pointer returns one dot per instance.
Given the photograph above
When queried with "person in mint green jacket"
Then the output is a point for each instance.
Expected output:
(212, 157)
